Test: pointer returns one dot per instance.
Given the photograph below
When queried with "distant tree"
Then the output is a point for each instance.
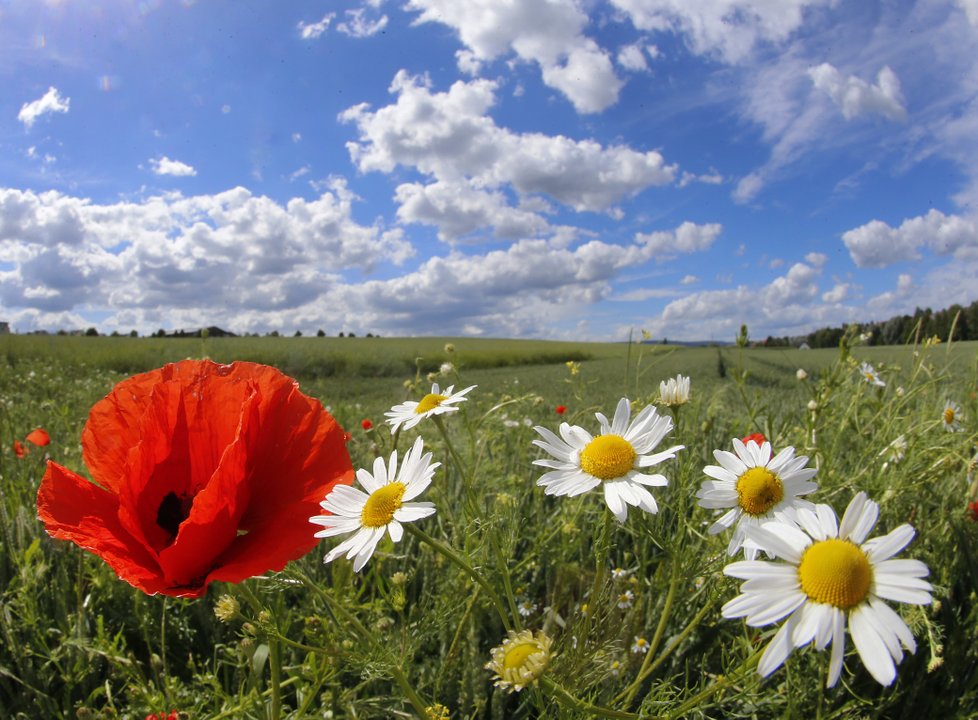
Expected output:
(370, 334)
(133, 333)
(351, 334)
(341, 334)
(320, 333)
(91, 332)
(273, 333)
(114, 333)
(298, 333)
(62, 332)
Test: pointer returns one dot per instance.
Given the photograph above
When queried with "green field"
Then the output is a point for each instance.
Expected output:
(76, 642)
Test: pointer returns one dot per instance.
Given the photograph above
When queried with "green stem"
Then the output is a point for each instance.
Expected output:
(601, 557)
(275, 670)
(659, 631)
(507, 583)
(349, 618)
(459, 465)
(721, 682)
(568, 700)
(455, 558)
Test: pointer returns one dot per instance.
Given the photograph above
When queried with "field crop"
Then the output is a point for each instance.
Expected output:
(632, 611)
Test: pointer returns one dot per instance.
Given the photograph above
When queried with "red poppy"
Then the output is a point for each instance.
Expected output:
(366, 424)
(973, 511)
(39, 437)
(756, 437)
(19, 449)
(203, 473)
(560, 409)
(174, 715)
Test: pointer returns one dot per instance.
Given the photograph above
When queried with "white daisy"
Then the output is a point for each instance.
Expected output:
(640, 646)
(828, 574)
(615, 458)
(754, 487)
(674, 391)
(410, 413)
(869, 375)
(383, 507)
(520, 660)
(951, 416)
(626, 599)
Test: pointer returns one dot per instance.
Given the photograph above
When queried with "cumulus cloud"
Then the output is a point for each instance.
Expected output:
(856, 97)
(687, 238)
(229, 251)
(358, 25)
(724, 29)
(50, 102)
(785, 304)
(311, 31)
(450, 137)
(549, 34)
(166, 166)
(632, 57)
(837, 294)
(970, 8)
(876, 244)
(457, 209)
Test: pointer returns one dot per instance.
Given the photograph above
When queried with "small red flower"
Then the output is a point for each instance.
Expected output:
(39, 437)
(19, 449)
(174, 715)
(203, 473)
(560, 409)
(756, 437)
(973, 511)
(366, 424)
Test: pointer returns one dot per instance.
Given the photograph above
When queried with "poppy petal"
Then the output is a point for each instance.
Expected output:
(72, 508)
(39, 437)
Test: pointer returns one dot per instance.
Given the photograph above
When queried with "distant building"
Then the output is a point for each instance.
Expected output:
(4, 327)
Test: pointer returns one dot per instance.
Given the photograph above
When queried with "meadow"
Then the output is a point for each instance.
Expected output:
(633, 609)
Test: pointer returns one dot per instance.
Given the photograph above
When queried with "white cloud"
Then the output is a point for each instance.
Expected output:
(687, 238)
(632, 58)
(970, 8)
(856, 97)
(166, 166)
(358, 25)
(837, 294)
(458, 209)
(782, 306)
(311, 31)
(450, 137)
(228, 252)
(876, 244)
(689, 280)
(724, 29)
(50, 102)
(816, 259)
(549, 34)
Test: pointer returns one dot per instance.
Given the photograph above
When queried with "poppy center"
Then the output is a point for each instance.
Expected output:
(759, 490)
(429, 402)
(608, 457)
(173, 510)
(835, 572)
(380, 507)
(948, 416)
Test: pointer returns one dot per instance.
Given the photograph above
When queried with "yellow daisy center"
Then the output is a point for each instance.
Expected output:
(516, 656)
(430, 402)
(380, 507)
(948, 416)
(608, 457)
(759, 490)
(835, 572)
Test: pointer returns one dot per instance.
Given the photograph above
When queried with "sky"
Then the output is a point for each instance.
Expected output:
(556, 169)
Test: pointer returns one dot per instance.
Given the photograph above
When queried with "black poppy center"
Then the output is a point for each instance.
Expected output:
(173, 510)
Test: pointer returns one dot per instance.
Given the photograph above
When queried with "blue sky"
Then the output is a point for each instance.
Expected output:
(564, 169)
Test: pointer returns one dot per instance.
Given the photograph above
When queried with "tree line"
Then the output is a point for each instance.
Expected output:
(956, 323)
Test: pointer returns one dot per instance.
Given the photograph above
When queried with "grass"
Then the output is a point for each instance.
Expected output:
(75, 642)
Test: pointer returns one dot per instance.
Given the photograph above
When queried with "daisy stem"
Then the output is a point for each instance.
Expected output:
(659, 631)
(565, 698)
(719, 684)
(348, 617)
(676, 642)
(600, 556)
(454, 557)
(459, 465)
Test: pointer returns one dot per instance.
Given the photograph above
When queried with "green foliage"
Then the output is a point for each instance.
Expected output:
(75, 640)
